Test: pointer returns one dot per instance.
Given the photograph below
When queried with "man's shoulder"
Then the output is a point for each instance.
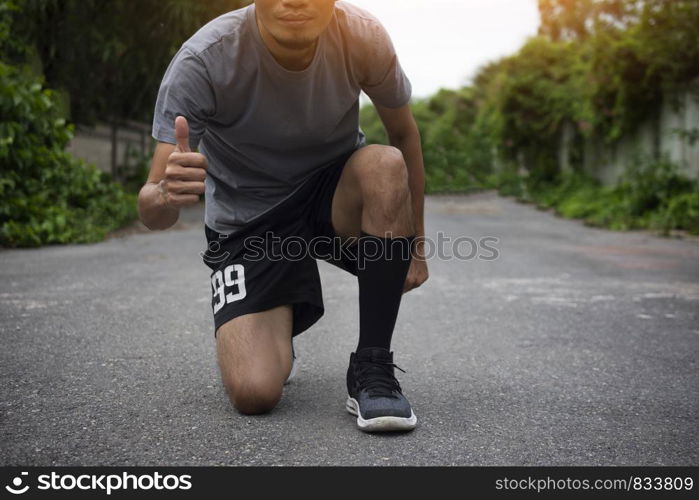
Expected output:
(227, 28)
(363, 33)
(356, 20)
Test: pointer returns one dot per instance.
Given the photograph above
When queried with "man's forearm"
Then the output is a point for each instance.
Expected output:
(153, 211)
(412, 153)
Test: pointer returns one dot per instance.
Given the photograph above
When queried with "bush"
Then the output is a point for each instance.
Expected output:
(682, 212)
(650, 185)
(649, 194)
(508, 182)
(46, 195)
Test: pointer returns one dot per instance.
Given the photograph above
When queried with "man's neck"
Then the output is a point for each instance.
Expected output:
(291, 59)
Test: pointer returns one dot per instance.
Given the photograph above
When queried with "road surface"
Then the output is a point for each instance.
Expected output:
(574, 346)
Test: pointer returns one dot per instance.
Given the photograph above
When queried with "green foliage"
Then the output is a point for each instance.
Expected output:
(581, 19)
(371, 125)
(536, 94)
(649, 194)
(46, 195)
(108, 55)
(649, 185)
(508, 182)
(681, 212)
(11, 47)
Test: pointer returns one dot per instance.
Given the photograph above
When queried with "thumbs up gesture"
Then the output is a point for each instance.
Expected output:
(185, 172)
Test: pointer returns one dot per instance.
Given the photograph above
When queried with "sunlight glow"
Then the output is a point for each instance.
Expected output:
(441, 43)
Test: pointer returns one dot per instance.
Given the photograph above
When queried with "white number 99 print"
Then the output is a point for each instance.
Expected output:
(228, 285)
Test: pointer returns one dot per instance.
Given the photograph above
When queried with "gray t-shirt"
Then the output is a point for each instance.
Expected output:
(265, 129)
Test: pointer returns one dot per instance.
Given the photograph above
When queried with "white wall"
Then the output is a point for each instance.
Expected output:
(666, 134)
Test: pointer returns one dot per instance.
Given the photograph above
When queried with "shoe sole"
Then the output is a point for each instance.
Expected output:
(292, 373)
(380, 424)
(294, 364)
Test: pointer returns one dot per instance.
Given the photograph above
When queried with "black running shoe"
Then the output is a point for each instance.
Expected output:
(375, 396)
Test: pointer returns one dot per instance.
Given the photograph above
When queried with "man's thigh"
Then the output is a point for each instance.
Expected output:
(255, 349)
(346, 207)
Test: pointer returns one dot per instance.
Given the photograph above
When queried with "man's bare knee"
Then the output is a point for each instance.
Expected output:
(380, 164)
(254, 395)
(383, 177)
(254, 357)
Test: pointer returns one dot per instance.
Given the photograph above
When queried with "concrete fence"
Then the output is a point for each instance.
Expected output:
(672, 133)
(114, 150)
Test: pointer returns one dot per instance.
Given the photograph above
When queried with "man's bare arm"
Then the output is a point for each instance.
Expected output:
(152, 209)
(176, 179)
(403, 134)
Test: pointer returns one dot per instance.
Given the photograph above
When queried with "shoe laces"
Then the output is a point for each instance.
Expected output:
(377, 378)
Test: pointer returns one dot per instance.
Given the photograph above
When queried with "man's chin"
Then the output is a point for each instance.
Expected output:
(298, 43)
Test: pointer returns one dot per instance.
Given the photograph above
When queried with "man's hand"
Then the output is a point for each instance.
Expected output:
(417, 273)
(185, 172)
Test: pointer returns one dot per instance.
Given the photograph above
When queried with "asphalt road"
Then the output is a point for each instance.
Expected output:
(575, 346)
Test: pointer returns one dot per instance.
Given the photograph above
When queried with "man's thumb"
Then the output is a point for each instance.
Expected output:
(182, 134)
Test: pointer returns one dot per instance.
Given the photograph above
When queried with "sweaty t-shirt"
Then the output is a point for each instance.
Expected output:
(264, 129)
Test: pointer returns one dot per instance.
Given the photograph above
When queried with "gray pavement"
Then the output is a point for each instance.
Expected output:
(576, 346)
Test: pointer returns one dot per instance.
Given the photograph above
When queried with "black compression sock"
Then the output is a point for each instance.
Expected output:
(383, 266)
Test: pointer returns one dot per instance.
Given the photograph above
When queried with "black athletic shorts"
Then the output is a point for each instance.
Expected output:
(271, 260)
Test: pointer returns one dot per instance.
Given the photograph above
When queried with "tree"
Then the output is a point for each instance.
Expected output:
(578, 19)
(110, 56)
(46, 195)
